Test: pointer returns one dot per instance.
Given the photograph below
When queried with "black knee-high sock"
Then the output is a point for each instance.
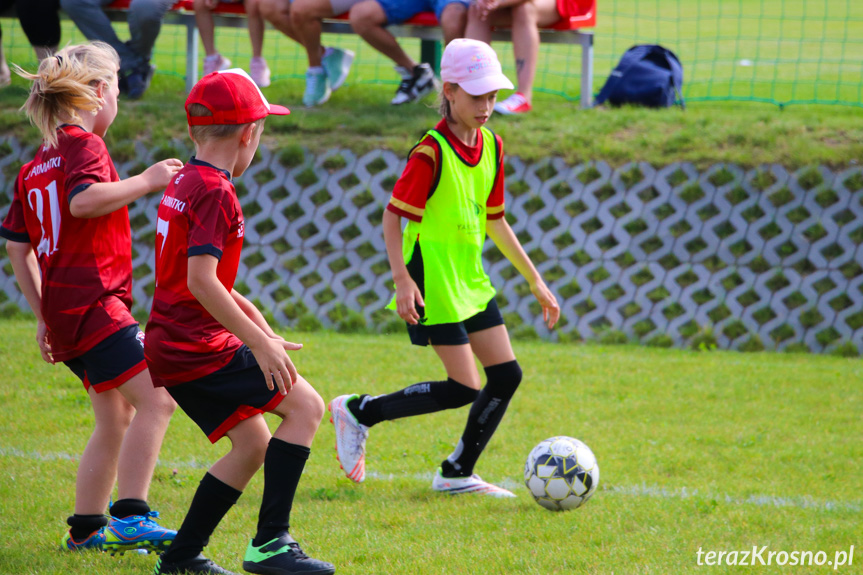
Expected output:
(485, 414)
(418, 399)
(212, 501)
(283, 467)
(82, 526)
(123, 508)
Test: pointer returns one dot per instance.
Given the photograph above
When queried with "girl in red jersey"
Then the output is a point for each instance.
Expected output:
(70, 245)
(451, 193)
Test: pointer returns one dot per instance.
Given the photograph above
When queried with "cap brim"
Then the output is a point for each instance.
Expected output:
(276, 110)
(485, 85)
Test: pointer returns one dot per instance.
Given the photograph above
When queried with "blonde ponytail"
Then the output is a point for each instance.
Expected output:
(66, 84)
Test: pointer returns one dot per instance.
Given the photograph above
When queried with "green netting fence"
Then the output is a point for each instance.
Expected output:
(777, 51)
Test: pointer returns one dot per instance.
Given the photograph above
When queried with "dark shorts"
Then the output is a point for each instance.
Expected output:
(111, 362)
(456, 333)
(219, 401)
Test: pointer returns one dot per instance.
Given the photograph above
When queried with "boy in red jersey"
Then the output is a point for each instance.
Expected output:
(70, 244)
(213, 349)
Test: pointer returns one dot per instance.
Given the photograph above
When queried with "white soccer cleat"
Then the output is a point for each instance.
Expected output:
(472, 484)
(351, 438)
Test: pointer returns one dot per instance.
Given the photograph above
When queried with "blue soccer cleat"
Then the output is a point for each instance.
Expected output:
(137, 532)
(94, 541)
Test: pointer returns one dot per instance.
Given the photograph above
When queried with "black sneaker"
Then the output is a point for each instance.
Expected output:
(137, 81)
(199, 564)
(420, 82)
(283, 556)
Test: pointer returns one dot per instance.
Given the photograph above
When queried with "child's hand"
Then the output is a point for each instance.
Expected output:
(275, 363)
(159, 175)
(408, 296)
(42, 340)
(550, 309)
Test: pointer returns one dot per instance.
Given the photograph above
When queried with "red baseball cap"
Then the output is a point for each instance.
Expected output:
(233, 98)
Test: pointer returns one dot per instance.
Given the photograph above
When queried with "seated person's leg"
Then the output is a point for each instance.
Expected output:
(369, 18)
(5, 73)
(145, 22)
(307, 16)
(526, 18)
(328, 68)
(213, 61)
(452, 15)
(95, 25)
(40, 20)
(279, 13)
(479, 23)
(258, 69)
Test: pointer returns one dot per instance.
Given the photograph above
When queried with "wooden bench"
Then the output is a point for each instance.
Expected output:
(423, 26)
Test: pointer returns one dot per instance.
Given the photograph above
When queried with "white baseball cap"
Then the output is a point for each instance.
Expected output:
(474, 66)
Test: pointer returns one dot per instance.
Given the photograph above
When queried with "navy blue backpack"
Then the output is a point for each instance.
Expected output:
(647, 75)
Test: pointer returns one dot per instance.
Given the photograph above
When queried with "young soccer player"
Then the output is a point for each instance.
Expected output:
(213, 349)
(70, 245)
(451, 193)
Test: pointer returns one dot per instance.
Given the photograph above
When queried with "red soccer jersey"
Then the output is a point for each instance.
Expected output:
(199, 214)
(86, 264)
(421, 174)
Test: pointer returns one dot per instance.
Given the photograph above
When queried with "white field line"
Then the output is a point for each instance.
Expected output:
(643, 490)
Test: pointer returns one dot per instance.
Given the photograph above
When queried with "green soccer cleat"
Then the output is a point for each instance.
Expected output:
(283, 556)
(137, 532)
(93, 542)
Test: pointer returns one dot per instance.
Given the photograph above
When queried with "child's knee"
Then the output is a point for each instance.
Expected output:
(504, 378)
(306, 406)
(165, 404)
(365, 15)
(315, 407)
(452, 394)
(117, 420)
(252, 452)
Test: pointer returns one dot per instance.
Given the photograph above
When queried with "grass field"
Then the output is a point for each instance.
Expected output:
(716, 451)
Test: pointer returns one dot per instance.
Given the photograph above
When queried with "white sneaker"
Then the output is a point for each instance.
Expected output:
(351, 438)
(317, 87)
(472, 484)
(337, 63)
(215, 63)
(415, 84)
(259, 72)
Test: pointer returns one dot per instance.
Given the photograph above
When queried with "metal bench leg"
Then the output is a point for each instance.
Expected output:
(191, 54)
(430, 53)
(586, 41)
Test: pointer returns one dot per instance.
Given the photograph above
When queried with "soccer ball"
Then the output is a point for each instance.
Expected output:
(561, 473)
